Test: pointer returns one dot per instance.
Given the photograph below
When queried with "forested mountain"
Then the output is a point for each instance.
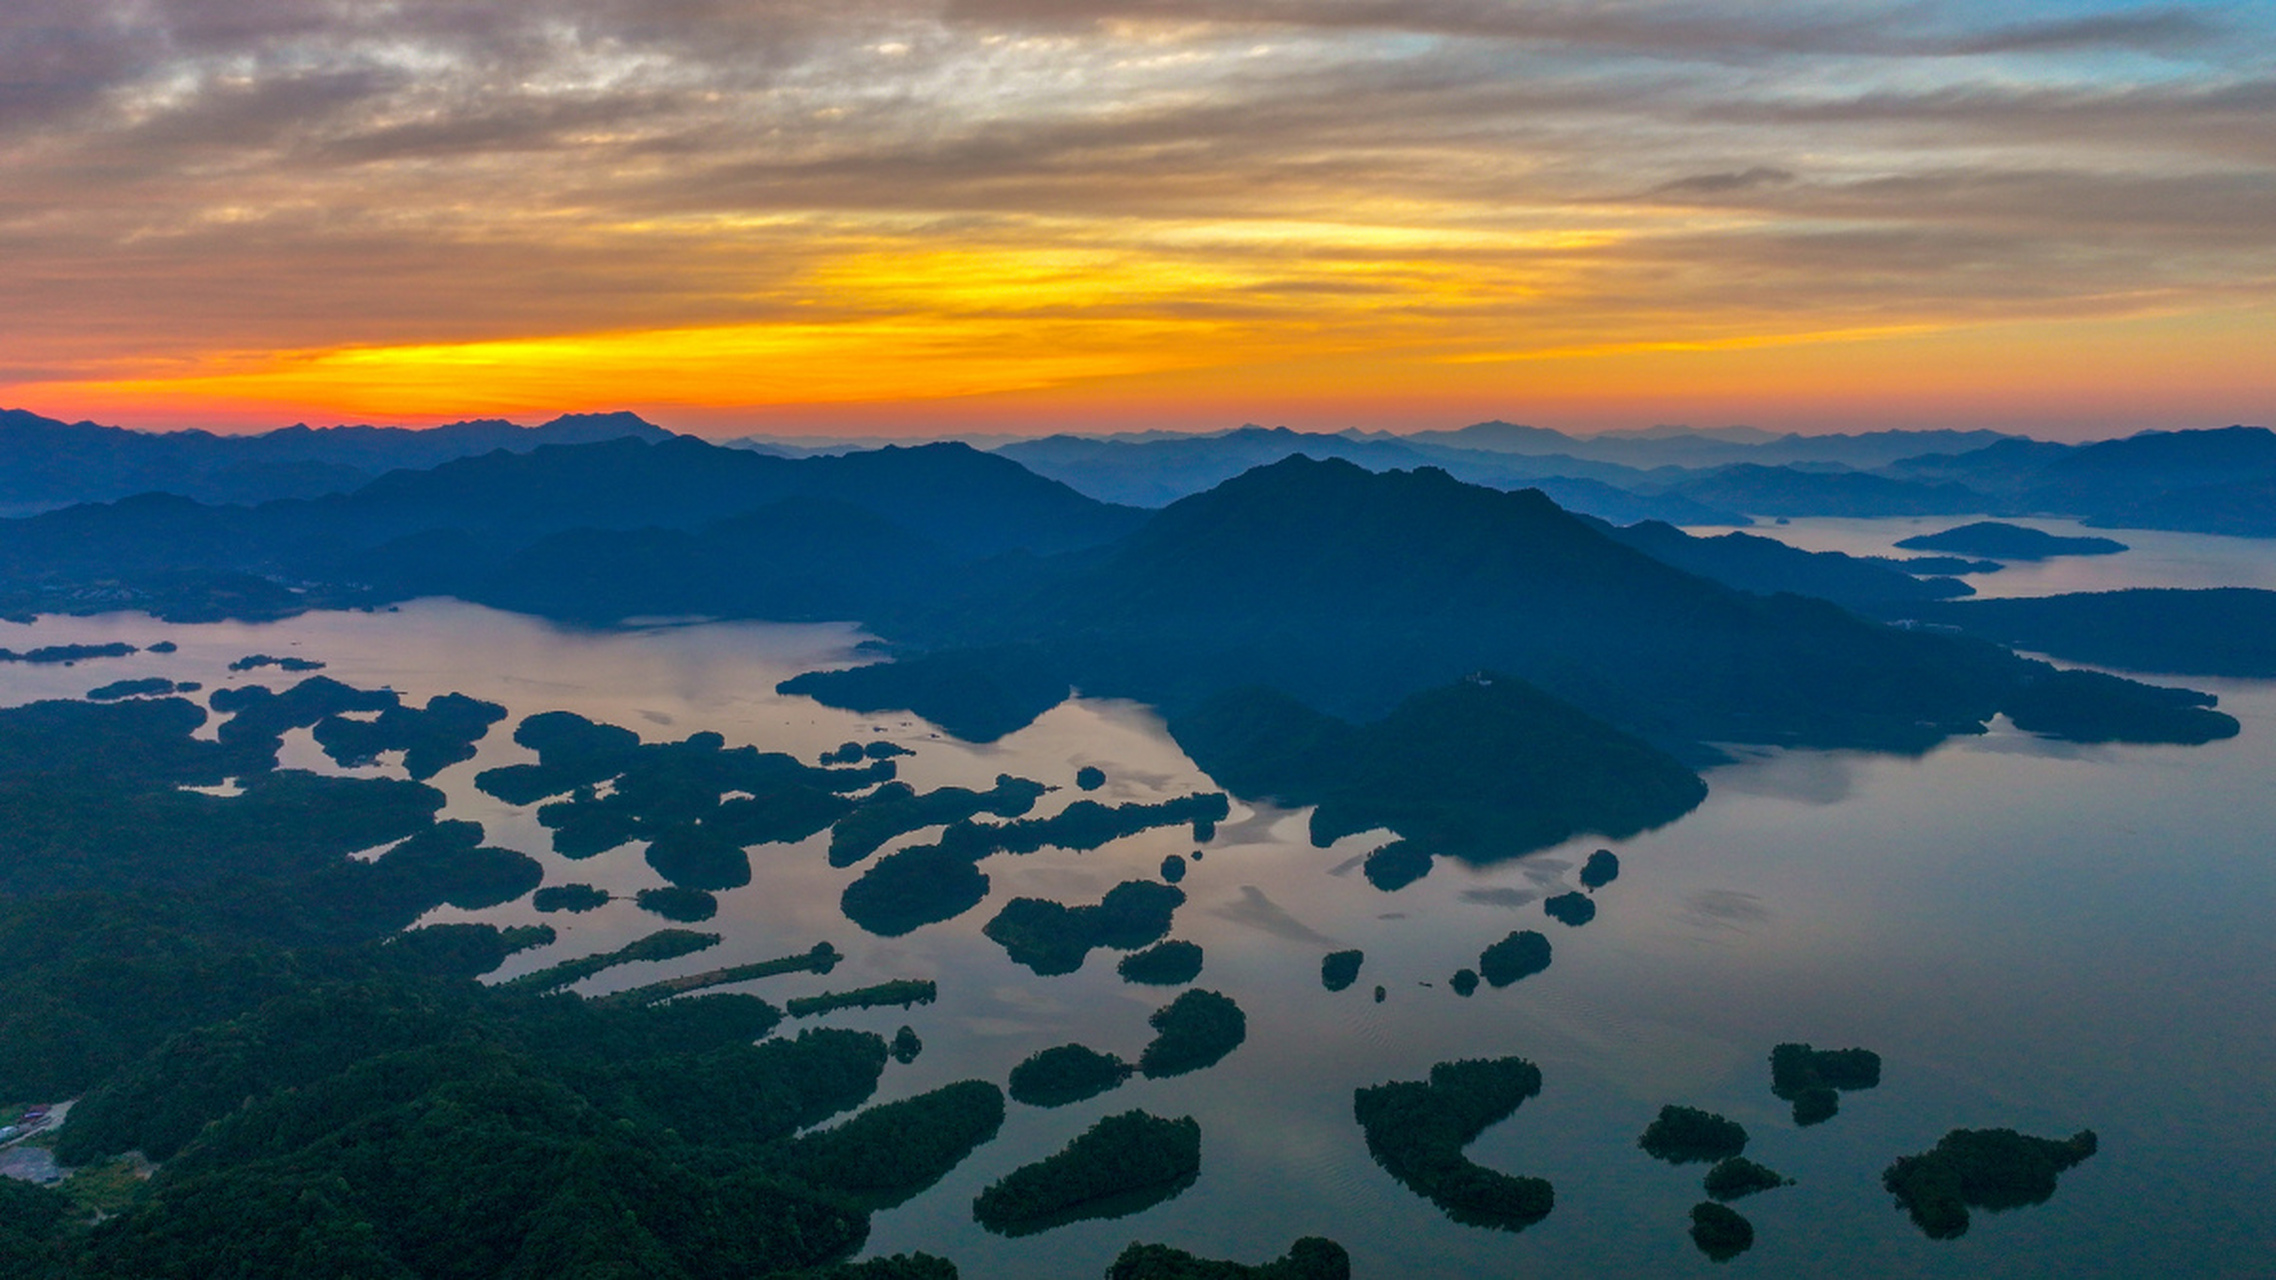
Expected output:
(47, 463)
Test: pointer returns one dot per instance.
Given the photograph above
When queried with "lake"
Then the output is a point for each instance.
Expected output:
(2032, 935)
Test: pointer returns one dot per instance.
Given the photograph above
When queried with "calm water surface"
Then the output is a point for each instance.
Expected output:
(2032, 935)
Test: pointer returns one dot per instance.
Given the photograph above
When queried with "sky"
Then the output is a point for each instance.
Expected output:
(922, 216)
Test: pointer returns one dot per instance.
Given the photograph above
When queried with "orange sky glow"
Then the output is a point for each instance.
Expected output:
(912, 218)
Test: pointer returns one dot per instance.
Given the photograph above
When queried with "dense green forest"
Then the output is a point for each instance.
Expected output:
(1685, 1135)
(1339, 969)
(1720, 1232)
(1165, 964)
(1066, 1074)
(1118, 1166)
(1194, 1031)
(1417, 1129)
(1311, 1258)
(1052, 939)
(1811, 1078)
(1736, 1177)
(230, 994)
(1992, 1169)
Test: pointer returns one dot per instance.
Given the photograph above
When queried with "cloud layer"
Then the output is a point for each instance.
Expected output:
(368, 209)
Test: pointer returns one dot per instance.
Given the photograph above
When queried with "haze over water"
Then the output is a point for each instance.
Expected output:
(2032, 935)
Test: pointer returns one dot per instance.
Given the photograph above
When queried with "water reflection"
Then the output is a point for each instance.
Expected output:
(1997, 918)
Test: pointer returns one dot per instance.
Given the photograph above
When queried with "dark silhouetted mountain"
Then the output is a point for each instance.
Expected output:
(1483, 769)
(2010, 542)
(1766, 566)
(520, 529)
(1710, 447)
(2227, 631)
(46, 463)
(1157, 471)
(2216, 481)
(2242, 509)
(1785, 491)
(1351, 591)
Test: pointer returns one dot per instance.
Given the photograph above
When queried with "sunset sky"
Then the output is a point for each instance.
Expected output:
(887, 216)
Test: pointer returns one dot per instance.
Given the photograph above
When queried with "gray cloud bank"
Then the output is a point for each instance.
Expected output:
(177, 173)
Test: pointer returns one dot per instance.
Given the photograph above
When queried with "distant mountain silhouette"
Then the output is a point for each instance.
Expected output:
(47, 463)
(1155, 472)
(1351, 591)
(2212, 481)
(1788, 491)
(1766, 566)
(459, 528)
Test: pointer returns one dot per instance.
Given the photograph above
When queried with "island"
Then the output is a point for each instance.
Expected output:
(1997, 540)
(573, 898)
(903, 992)
(1991, 1169)
(1686, 1135)
(1339, 969)
(1809, 1078)
(905, 1046)
(891, 1152)
(688, 906)
(1119, 1166)
(1736, 1177)
(1090, 777)
(1052, 939)
(1601, 869)
(1165, 964)
(1194, 1031)
(1571, 909)
(1720, 1231)
(1417, 1129)
(1522, 954)
(1464, 982)
(1311, 1258)
(1066, 1073)
(1173, 869)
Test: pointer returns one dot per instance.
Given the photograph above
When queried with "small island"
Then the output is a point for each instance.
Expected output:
(1416, 1130)
(1719, 1231)
(1173, 869)
(905, 1046)
(1601, 869)
(889, 1153)
(1570, 909)
(1052, 939)
(1464, 982)
(1808, 1078)
(1522, 954)
(1339, 969)
(1997, 540)
(1067, 1073)
(900, 991)
(1194, 1031)
(1991, 1169)
(1311, 1258)
(573, 898)
(1687, 1135)
(1120, 1165)
(688, 906)
(1165, 964)
(1739, 1177)
(1090, 777)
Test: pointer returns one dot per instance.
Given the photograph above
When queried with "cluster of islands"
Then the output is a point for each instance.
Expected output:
(279, 1072)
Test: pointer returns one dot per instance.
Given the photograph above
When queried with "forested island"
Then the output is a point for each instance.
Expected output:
(1685, 1135)
(1066, 1074)
(1417, 1129)
(1339, 969)
(1192, 1032)
(1720, 1231)
(1165, 964)
(1809, 1078)
(1311, 1258)
(1118, 1166)
(2001, 541)
(1993, 1169)
(1052, 939)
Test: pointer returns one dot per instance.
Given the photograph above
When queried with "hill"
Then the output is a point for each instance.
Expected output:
(46, 463)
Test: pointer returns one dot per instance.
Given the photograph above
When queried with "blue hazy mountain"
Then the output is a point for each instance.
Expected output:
(47, 463)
